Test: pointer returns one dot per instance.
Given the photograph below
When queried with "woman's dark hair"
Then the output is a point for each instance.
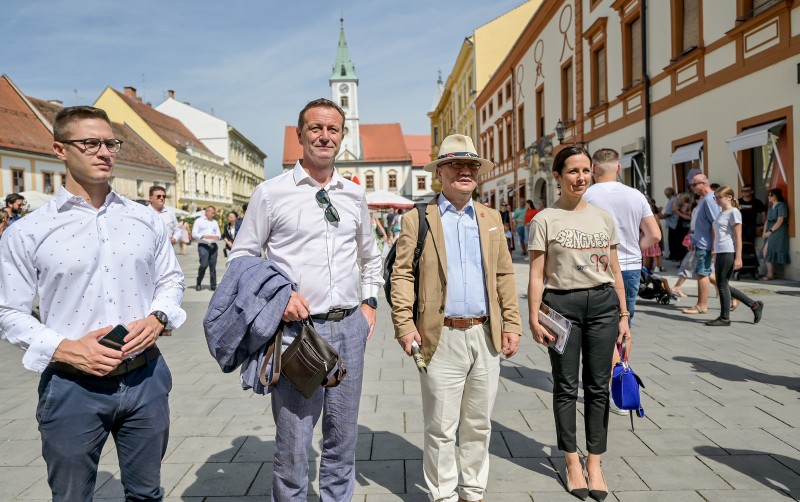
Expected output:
(565, 153)
(530, 204)
(778, 193)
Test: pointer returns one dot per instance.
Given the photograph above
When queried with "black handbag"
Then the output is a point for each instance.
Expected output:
(306, 362)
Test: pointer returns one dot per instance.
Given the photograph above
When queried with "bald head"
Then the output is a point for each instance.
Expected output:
(605, 165)
(700, 185)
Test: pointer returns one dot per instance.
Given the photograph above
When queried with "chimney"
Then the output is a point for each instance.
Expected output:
(150, 104)
(130, 92)
(138, 99)
(171, 94)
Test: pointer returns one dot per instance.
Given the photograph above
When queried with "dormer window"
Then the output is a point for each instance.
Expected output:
(344, 72)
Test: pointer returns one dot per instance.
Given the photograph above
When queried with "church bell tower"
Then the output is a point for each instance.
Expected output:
(344, 92)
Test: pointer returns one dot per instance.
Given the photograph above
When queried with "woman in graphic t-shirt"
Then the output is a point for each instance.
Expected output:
(728, 249)
(574, 270)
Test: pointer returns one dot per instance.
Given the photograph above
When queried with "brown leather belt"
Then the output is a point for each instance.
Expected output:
(125, 366)
(464, 322)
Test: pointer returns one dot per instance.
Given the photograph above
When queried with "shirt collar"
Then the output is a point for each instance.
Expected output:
(64, 199)
(445, 206)
(300, 176)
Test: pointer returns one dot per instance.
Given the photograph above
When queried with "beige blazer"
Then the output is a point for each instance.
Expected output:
(498, 278)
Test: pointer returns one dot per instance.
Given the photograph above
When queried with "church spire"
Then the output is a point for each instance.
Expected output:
(343, 68)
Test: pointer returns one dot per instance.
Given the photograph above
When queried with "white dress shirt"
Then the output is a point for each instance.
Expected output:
(91, 268)
(170, 222)
(323, 259)
(203, 226)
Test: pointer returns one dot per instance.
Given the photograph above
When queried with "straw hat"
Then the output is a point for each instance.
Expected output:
(459, 147)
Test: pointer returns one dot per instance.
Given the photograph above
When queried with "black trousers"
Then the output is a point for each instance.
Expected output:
(675, 238)
(595, 326)
(208, 259)
(723, 268)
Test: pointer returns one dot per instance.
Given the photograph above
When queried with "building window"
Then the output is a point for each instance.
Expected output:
(369, 181)
(393, 180)
(167, 188)
(567, 91)
(347, 175)
(491, 148)
(17, 180)
(596, 38)
(63, 180)
(509, 139)
(140, 188)
(685, 26)
(435, 135)
(632, 66)
(491, 108)
(421, 184)
(483, 115)
(540, 111)
(205, 184)
(344, 102)
(521, 127)
(508, 90)
(196, 183)
(500, 155)
(499, 99)
(47, 182)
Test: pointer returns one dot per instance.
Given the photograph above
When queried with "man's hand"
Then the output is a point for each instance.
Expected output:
(371, 314)
(405, 341)
(141, 335)
(87, 355)
(172, 240)
(510, 343)
(297, 309)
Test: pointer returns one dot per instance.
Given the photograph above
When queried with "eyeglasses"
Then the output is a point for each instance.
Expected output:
(697, 183)
(92, 145)
(458, 164)
(331, 214)
(159, 196)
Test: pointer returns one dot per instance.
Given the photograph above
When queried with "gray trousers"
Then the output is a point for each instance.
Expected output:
(77, 413)
(295, 418)
(595, 326)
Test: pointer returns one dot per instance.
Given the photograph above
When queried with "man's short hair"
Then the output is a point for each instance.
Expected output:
(318, 103)
(714, 186)
(156, 188)
(605, 156)
(13, 198)
(747, 185)
(66, 116)
(210, 207)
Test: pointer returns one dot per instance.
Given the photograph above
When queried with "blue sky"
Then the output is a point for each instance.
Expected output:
(255, 63)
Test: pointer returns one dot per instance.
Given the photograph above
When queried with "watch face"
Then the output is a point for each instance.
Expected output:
(344, 88)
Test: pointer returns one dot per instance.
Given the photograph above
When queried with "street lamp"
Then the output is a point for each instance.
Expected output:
(561, 130)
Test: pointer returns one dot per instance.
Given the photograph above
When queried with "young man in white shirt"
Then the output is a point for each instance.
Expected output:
(316, 226)
(95, 259)
(205, 231)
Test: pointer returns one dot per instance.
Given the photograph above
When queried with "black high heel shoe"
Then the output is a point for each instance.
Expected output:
(600, 495)
(581, 493)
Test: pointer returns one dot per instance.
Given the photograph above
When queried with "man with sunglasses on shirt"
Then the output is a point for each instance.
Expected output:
(95, 259)
(315, 225)
(158, 199)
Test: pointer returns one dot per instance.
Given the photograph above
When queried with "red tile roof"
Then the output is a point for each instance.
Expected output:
(170, 129)
(134, 152)
(379, 143)
(419, 146)
(20, 128)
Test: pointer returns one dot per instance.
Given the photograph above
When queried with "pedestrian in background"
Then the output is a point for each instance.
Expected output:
(205, 231)
(518, 225)
(230, 231)
(674, 234)
(158, 199)
(652, 254)
(95, 259)
(186, 236)
(4, 220)
(15, 205)
(332, 257)
(505, 215)
(574, 270)
(466, 268)
(728, 250)
(776, 233)
(702, 241)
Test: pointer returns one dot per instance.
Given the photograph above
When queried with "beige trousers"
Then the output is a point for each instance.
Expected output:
(458, 392)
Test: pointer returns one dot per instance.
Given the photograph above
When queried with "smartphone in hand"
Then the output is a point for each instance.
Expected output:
(115, 338)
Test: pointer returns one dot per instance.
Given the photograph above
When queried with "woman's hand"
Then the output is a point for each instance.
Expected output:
(737, 263)
(541, 335)
(624, 332)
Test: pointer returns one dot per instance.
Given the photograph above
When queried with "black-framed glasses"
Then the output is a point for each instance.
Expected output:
(458, 164)
(331, 214)
(92, 145)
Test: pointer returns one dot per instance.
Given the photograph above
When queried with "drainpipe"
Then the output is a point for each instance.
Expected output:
(514, 138)
(648, 178)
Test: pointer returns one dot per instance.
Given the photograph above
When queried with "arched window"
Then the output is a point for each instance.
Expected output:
(393, 180)
(369, 181)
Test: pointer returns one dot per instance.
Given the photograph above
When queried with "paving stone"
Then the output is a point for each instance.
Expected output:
(387, 446)
(675, 473)
(528, 475)
(20, 429)
(673, 442)
(739, 417)
(16, 480)
(241, 406)
(383, 420)
(743, 495)
(19, 453)
(658, 496)
(256, 449)
(677, 417)
(379, 476)
(198, 426)
(246, 425)
(752, 472)
(217, 479)
(206, 449)
(748, 442)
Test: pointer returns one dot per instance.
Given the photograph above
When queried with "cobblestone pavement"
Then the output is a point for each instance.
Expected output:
(723, 415)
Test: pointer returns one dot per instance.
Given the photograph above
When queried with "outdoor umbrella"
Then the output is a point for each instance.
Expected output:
(36, 199)
(383, 199)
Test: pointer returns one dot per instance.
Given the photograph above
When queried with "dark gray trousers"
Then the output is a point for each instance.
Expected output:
(208, 259)
(723, 268)
(595, 326)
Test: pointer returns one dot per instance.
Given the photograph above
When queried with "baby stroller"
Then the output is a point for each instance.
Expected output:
(651, 287)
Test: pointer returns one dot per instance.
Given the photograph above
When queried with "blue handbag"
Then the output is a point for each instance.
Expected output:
(625, 385)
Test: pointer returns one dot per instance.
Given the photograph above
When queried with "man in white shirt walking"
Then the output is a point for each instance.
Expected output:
(95, 259)
(637, 227)
(158, 199)
(205, 231)
(316, 226)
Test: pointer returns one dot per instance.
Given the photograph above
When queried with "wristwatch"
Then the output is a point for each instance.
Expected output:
(160, 317)
(371, 301)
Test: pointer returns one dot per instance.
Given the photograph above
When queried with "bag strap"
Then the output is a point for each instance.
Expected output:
(422, 231)
(624, 351)
(274, 350)
(341, 370)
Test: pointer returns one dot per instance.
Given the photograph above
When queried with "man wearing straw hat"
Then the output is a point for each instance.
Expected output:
(467, 315)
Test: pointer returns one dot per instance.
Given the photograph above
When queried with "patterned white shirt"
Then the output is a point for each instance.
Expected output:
(323, 259)
(91, 268)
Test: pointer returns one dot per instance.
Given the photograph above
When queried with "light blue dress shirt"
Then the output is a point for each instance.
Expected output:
(466, 289)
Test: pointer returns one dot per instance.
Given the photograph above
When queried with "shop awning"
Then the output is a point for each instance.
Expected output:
(755, 136)
(627, 159)
(687, 153)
